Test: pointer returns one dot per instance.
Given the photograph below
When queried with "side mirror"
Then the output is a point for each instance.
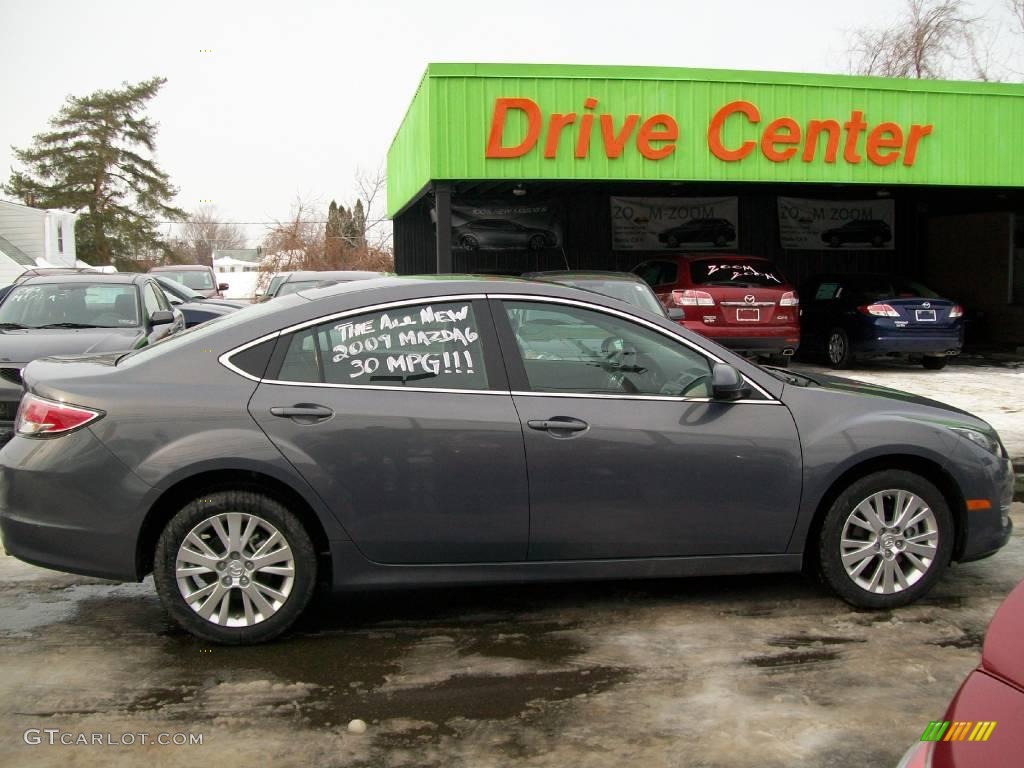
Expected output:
(162, 317)
(727, 383)
(222, 286)
(676, 314)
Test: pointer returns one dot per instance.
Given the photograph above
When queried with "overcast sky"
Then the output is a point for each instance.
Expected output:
(296, 96)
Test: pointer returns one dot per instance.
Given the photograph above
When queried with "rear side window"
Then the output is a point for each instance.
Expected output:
(658, 272)
(735, 272)
(827, 291)
(424, 346)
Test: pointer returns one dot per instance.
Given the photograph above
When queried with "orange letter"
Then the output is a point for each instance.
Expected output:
(917, 132)
(555, 126)
(878, 138)
(715, 130)
(583, 140)
(501, 108)
(853, 131)
(772, 137)
(814, 129)
(649, 133)
(613, 144)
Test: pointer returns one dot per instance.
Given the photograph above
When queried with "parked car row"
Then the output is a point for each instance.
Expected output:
(744, 303)
(415, 431)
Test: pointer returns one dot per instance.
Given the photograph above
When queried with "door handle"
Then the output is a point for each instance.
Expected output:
(307, 412)
(558, 424)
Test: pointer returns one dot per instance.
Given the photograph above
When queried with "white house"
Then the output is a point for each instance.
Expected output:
(45, 236)
(13, 261)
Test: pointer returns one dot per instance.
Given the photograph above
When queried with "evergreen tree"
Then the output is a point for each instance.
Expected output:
(359, 224)
(97, 158)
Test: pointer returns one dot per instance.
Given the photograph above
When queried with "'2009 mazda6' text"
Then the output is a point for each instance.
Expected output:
(381, 434)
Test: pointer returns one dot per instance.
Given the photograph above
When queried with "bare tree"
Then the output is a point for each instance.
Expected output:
(934, 39)
(202, 234)
(1016, 8)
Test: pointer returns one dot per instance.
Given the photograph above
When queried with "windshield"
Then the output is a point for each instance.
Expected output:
(735, 272)
(195, 279)
(90, 305)
(179, 290)
(296, 286)
(637, 294)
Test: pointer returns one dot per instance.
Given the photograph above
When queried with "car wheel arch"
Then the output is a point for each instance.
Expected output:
(177, 495)
(927, 468)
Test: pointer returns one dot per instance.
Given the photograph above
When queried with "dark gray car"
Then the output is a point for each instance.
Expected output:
(74, 312)
(381, 434)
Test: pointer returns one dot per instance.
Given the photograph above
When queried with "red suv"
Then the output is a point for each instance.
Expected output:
(742, 302)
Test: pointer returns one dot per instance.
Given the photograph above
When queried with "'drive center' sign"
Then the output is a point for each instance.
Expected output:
(841, 139)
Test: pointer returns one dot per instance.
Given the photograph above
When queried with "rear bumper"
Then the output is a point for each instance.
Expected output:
(771, 339)
(69, 504)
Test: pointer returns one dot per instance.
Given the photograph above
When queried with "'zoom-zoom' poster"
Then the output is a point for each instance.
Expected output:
(674, 223)
(806, 225)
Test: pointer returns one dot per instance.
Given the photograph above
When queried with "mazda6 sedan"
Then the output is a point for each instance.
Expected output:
(406, 432)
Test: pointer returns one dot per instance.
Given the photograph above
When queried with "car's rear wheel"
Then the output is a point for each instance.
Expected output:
(886, 540)
(834, 241)
(470, 242)
(935, 363)
(235, 567)
(672, 241)
(720, 240)
(837, 349)
(537, 242)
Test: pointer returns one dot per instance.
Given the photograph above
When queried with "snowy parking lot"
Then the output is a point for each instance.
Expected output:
(744, 671)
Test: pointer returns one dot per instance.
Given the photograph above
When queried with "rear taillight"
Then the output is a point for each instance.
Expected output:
(39, 417)
(789, 299)
(879, 310)
(956, 311)
(691, 298)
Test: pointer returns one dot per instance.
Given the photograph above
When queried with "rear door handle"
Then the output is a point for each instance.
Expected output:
(304, 412)
(558, 424)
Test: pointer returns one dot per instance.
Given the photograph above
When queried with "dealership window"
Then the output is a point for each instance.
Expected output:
(428, 345)
(575, 350)
(60, 237)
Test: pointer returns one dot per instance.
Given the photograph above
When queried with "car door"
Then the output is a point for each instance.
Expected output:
(399, 416)
(627, 455)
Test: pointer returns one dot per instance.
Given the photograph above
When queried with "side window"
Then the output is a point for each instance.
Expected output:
(150, 300)
(575, 350)
(827, 291)
(427, 345)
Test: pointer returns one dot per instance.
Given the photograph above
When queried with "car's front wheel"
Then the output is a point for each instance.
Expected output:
(886, 540)
(234, 567)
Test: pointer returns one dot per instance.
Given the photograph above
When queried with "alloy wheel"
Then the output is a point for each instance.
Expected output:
(836, 348)
(889, 541)
(235, 569)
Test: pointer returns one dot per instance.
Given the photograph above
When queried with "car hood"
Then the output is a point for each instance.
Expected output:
(861, 389)
(21, 346)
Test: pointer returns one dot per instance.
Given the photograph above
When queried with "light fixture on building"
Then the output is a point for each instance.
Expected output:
(518, 190)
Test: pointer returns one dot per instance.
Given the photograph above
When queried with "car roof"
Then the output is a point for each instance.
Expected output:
(115, 278)
(702, 255)
(181, 268)
(336, 274)
(583, 274)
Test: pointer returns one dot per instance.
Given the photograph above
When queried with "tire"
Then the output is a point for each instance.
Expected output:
(931, 529)
(834, 242)
(720, 240)
(469, 242)
(537, 242)
(672, 241)
(837, 348)
(876, 241)
(935, 363)
(251, 614)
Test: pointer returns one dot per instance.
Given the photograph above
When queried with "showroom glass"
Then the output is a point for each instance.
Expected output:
(111, 306)
(434, 345)
(576, 350)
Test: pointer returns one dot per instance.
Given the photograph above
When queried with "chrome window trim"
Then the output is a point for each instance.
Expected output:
(664, 398)
(639, 321)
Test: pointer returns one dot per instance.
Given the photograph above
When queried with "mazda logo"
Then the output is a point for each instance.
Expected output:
(749, 298)
(927, 305)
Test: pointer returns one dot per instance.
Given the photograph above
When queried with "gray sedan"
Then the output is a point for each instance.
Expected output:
(418, 431)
